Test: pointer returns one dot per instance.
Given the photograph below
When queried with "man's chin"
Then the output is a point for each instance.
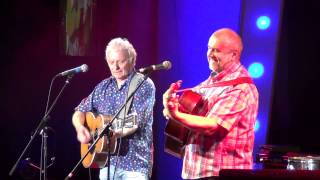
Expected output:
(116, 75)
(213, 68)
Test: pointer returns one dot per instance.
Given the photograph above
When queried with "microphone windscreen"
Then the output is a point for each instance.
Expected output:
(166, 64)
(84, 68)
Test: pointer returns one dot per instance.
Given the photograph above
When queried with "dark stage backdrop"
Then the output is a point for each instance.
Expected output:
(295, 108)
(32, 53)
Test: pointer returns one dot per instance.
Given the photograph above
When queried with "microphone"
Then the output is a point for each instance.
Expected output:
(82, 68)
(166, 65)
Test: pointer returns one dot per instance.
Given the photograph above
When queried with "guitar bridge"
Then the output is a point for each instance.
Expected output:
(129, 122)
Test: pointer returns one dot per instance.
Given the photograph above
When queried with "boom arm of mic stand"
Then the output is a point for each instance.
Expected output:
(105, 129)
(40, 126)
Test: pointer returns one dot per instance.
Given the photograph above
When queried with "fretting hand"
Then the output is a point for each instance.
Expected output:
(170, 100)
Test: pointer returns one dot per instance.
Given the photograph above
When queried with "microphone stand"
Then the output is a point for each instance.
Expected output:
(42, 129)
(105, 131)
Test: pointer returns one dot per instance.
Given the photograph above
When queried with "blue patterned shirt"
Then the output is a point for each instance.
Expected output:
(136, 150)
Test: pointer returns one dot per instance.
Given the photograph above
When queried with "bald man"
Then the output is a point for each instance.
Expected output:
(223, 136)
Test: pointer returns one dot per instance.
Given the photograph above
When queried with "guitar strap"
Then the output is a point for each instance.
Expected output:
(136, 79)
(239, 80)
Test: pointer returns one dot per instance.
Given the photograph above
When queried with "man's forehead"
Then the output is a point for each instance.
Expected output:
(212, 40)
(215, 42)
(117, 55)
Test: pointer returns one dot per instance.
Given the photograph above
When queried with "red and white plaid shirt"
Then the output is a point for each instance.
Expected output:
(235, 108)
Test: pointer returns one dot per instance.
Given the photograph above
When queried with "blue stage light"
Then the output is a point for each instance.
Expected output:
(257, 126)
(256, 70)
(263, 22)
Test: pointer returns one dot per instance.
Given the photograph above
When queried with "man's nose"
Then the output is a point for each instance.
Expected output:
(116, 65)
(210, 53)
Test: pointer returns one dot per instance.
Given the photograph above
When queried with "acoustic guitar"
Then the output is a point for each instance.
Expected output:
(97, 158)
(176, 134)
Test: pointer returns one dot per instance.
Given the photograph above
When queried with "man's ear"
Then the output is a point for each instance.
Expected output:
(235, 54)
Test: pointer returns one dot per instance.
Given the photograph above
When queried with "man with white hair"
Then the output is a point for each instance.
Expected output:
(133, 157)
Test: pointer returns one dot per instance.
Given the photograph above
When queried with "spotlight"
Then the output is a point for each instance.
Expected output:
(257, 126)
(256, 70)
(263, 22)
